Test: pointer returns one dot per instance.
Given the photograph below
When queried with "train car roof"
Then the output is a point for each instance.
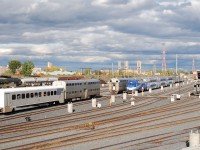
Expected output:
(123, 78)
(78, 81)
(39, 78)
(27, 89)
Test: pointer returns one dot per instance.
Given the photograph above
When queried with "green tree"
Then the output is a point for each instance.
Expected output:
(13, 65)
(27, 68)
(87, 71)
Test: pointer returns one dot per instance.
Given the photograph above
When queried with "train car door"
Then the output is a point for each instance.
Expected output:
(8, 103)
(86, 93)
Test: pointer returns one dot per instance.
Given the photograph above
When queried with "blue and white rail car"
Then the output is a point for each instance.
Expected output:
(170, 80)
(153, 84)
(163, 82)
(131, 85)
(11, 98)
(79, 88)
(117, 85)
(142, 86)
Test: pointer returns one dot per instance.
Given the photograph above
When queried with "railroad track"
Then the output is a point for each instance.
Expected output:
(100, 123)
(4, 129)
(156, 141)
(38, 123)
(49, 109)
(118, 130)
(54, 108)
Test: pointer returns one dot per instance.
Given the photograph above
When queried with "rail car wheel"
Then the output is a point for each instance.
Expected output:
(13, 110)
(57, 102)
(50, 103)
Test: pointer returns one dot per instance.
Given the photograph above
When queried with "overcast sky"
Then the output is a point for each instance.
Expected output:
(96, 33)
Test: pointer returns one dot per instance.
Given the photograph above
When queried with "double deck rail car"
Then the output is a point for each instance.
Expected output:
(147, 83)
(163, 81)
(142, 85)
(80, 88)
(59, 92)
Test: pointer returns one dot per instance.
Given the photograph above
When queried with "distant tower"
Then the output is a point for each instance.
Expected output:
(126, 65)
(139, 67)
(154, 68)
(119, 65)
(163, 59)
(49, 65)
(193, 65)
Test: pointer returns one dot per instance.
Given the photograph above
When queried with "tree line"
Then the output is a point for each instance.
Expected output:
(25, 68)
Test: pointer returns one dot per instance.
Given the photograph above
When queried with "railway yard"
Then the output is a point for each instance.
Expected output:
(153, 122)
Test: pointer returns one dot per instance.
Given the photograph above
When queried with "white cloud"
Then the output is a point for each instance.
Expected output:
(5, 51)
(102, 31)
(168, 12)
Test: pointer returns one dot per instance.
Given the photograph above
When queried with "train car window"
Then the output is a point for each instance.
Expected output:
(85, 83)
(80, 83)
(55, 93)
(32, 95)
(36, 94)
(13, 97)
(27, 95)
(45, 93)
(48, 93)
(40, 94)
(51, 92)
(23, 96)
(72, 92)
(18, 96)
(72, 84)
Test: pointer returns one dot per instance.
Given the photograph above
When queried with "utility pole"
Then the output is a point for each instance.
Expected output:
(163, 59)
(176, 64)
(193, 65)
(112, 69)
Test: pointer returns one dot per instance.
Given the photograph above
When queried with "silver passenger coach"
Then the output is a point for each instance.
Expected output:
(59, 92)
